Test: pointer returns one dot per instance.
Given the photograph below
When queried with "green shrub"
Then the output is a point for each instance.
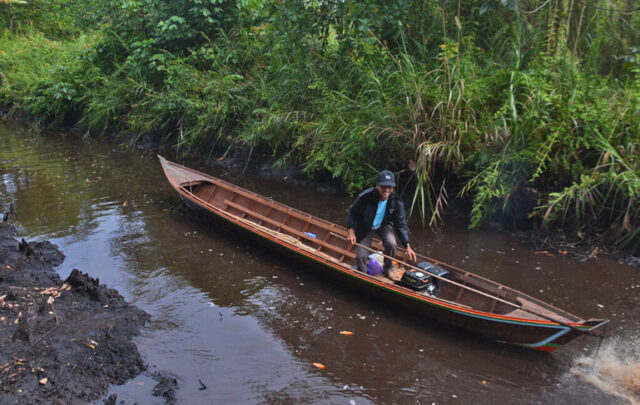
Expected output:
(530, 115)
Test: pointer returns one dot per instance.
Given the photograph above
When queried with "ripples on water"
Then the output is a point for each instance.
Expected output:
(614, 369)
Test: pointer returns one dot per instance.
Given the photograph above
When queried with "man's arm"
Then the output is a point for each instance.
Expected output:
(402, 229)
(400, 222)
(352, 219)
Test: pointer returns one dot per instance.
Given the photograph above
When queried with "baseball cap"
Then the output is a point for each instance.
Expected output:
(386, 178)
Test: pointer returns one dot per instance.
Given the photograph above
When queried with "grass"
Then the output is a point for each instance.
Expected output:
(28, 61)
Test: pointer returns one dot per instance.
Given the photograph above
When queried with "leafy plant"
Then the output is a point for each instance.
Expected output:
(529, 111)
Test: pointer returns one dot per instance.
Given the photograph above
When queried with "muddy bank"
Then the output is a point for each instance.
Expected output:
(61, 341)
(560, 245)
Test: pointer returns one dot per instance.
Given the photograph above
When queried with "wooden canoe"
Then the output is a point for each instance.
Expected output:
(467, 300)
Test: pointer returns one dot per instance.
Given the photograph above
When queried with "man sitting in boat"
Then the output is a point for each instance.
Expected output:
(377, 210)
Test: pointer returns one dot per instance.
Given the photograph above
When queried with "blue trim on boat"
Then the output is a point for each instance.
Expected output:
(547, 340)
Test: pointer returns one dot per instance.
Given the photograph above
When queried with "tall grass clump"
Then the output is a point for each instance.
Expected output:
(306, 99)
(33, 73)
(602, 203)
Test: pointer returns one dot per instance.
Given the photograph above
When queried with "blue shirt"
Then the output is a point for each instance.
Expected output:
(377, 221)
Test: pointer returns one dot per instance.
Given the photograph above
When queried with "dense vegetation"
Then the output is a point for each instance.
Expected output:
(528, 109)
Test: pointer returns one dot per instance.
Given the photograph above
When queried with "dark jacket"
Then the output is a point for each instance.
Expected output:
(363, 211)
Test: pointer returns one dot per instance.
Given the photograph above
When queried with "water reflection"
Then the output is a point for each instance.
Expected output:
(250, 324)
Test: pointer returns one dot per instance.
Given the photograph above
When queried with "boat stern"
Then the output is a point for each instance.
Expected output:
(565, 334)
(596, 327)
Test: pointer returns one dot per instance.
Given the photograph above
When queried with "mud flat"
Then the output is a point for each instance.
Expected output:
(61, 342)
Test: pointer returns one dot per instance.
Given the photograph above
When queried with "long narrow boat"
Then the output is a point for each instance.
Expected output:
(464, 299)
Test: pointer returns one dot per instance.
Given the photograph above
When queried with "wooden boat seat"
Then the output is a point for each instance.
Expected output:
(529, 308)
(289, 229)
(477, 283)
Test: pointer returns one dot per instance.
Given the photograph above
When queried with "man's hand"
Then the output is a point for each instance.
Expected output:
(351, 236)
(411, 254)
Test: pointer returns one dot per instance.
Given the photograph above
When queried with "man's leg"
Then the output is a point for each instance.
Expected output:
(362, 253)
(389, 242)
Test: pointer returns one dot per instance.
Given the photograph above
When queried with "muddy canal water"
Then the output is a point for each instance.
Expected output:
(248, 325)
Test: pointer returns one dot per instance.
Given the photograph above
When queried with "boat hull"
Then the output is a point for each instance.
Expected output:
(539, 332)
(543, 337)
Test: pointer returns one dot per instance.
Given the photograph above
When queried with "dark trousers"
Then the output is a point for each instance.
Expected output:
(385, 232)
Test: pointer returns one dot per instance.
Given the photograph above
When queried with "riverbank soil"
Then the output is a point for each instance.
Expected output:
(61, 342)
